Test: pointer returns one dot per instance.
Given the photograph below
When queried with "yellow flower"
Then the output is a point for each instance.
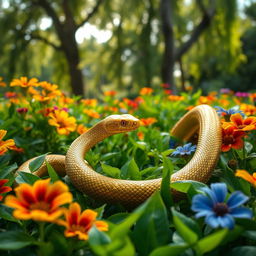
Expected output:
(5, 145)
(64, 123)
(40, 201)
(79, 223)
(248, 109)
(24, 82)
(247, 176)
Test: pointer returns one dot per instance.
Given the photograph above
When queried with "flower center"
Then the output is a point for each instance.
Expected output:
(75, 227)
(40, 206)
(228, 140)
(220, 209)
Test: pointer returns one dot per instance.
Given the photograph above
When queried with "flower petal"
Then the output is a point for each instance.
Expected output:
(241, 212)
(236, 199)
(226, 221)
(220, 191)
(201, 203)
(212, 221)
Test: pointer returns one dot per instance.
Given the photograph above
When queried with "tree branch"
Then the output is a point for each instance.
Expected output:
(45, 40)
(50, 11)
(198, 30)
(90, 14)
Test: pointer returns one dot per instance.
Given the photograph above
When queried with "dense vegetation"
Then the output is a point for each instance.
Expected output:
(49, 216)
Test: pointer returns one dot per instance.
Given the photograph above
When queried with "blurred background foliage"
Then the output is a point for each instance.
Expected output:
(87, 46)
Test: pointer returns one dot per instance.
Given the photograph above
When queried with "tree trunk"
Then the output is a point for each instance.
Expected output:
(168, 56)
(71, 52)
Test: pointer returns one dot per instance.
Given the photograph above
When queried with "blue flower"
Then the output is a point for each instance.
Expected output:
(221, 111)
(187, 149)
(219, 210)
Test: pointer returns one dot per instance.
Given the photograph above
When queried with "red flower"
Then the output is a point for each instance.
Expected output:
(231, 138)
(4, 189)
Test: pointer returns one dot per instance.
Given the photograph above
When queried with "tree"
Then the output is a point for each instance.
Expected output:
(66, 21)
(176, 47)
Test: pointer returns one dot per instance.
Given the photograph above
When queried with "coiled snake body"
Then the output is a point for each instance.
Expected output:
(201, 119)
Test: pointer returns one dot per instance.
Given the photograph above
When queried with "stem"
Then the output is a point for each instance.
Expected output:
(41, 231)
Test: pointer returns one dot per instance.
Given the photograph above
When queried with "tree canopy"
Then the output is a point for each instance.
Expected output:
(178, 42)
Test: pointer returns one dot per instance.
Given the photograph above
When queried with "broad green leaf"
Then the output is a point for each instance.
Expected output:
(190, 187)
(13, 240)
(25, 177)
(36, 163)
(52, 173)
(185, 232)
(111, 171)
(109, 156)
(123, 228)
(165, 185)
(131, 170)
(152, 229)
(172, 249)
(118, 217)
(97, 237)
(211, 241)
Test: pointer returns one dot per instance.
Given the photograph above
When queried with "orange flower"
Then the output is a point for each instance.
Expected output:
(110, 93)
(90, 102)
(140, 135)
(64, 123)
(146, 91)
(92, 113)
(45, 91)
(248, 109)
(231, 138)
(81, 129)
(147, 121)
(2, 83)
(4, 189)
(24, 82)
(40, 201)
(175, 98)
(15, 148)
(247, 176)
(241, 124)
(79, 223)
(111, 109)
(5, 145)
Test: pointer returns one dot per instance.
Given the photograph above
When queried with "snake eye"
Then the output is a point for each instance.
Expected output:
(124, 123)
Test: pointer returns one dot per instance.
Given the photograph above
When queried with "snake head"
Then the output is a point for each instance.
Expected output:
(121, 123)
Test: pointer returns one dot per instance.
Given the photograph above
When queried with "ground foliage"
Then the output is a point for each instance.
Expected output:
(40, 119)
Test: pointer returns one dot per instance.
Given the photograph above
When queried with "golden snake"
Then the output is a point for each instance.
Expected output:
(202, 119)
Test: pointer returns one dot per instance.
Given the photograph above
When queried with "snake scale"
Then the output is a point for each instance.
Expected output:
(202, 120)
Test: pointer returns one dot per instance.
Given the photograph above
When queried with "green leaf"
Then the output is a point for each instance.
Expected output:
(25, 177)
(152, 229)
(172, 249)
(210, 242)
(165, 185)
(98, 238)
(243, 250)
(131, 170)
(111, 171)
(7, 170)
(118, 217)
(123, 228)
(6, 214)
(52, 173)
(108, 156)
(13, 240)
(190, 187)
(36, 163)
(184, 231)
